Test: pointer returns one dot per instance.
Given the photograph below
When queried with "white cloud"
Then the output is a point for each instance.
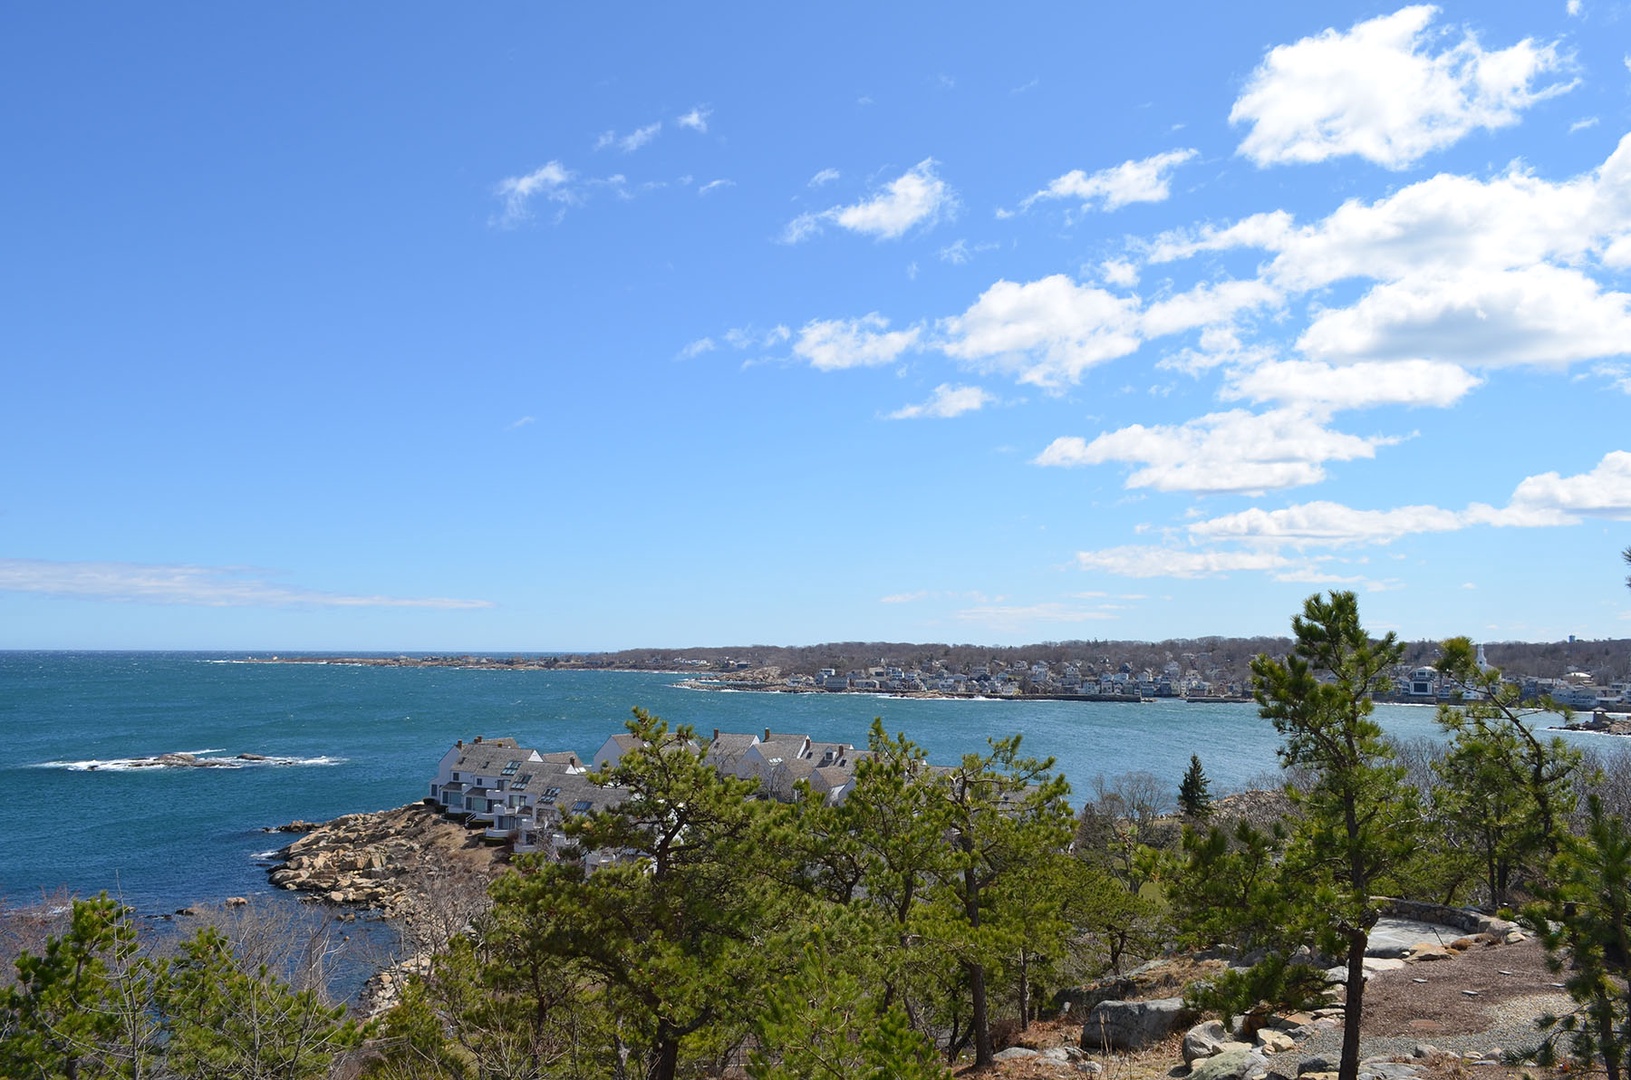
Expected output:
(697, 348)
(521, 423)
(1268, 231)
(955, 253)
(207, 586)
(631, 142)
(748, 337)
(1235, 451)
(1135, 561)
(551, 181)
(1583, 124)
(1353, 386)
(1376, 91)
(825, 176)
(1327, 523)
(1603, 492)
(1120, 272)
(836, 344)
(1541, 314)
(916, 198)
(1548, 500)
(1207, 305)
(1045, 332)
(1146, 180)
(946, 402)
(1572, 7)
(715, 185)
(696, 119)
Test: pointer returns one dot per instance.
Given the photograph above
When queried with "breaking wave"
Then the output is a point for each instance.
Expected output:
(195, 759)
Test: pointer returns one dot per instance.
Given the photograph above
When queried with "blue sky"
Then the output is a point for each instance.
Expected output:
(568, 327)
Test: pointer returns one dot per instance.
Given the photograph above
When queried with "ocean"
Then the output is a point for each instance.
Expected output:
(347, 738)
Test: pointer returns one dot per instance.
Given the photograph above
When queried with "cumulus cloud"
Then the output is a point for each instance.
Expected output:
(207, 586)
(1377, 91)
(1547, 500)
(1144, 181)
(1234, 451)
(1605, 491)
(1207, 305)
(696, 119)
(1327, 523)
(1046, 333)
(946, 402)
(916, 198)
(1541, 314)
(551, 181)
(1453, 270)
(835, 344)
(697, 348)
(1359, 385)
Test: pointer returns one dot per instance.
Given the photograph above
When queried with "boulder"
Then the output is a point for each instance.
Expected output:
(1387, 1070)
(1014, 1053)
(1424, 951)
(1203, 1041)
(1240, 1063)
(1133, 1025)
(1275, 1042)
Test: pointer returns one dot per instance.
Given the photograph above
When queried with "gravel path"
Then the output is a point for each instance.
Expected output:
(1486, 999)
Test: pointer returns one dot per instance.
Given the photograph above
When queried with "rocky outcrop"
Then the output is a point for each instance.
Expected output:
(384, 860)
(1133, 1025)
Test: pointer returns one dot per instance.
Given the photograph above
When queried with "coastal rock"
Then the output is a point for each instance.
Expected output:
(385, 860)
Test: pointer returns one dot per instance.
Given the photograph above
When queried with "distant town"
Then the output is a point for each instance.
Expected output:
(1584, 676)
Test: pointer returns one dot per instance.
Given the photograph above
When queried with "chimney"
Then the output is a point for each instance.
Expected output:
(460, 744)
(767, 734)
(716, 734)
(478, 738)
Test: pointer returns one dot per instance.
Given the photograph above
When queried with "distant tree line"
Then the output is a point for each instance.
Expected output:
(1607, 660)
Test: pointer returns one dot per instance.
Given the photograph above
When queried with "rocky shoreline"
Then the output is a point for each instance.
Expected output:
(388, 860)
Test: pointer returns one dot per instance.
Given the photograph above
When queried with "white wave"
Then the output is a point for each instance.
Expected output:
(189, 759)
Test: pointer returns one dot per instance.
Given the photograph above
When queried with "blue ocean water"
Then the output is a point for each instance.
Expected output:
(368, 738)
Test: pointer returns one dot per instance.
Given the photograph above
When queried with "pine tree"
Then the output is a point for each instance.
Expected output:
(1584, 920)
(1194, 798)
(675, 931)
(1516, 787)
(82, 1009)
(1359, 818)
(1003, 812)
(225, 1021)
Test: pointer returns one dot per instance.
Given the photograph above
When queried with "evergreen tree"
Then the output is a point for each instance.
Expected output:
(676, 930)
(1584, 920)
(1194, 798)
(1358, 817)
(1515, 788)
(224, 1022)
(1004, 813)
(83, 1008)
(825, 1021)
